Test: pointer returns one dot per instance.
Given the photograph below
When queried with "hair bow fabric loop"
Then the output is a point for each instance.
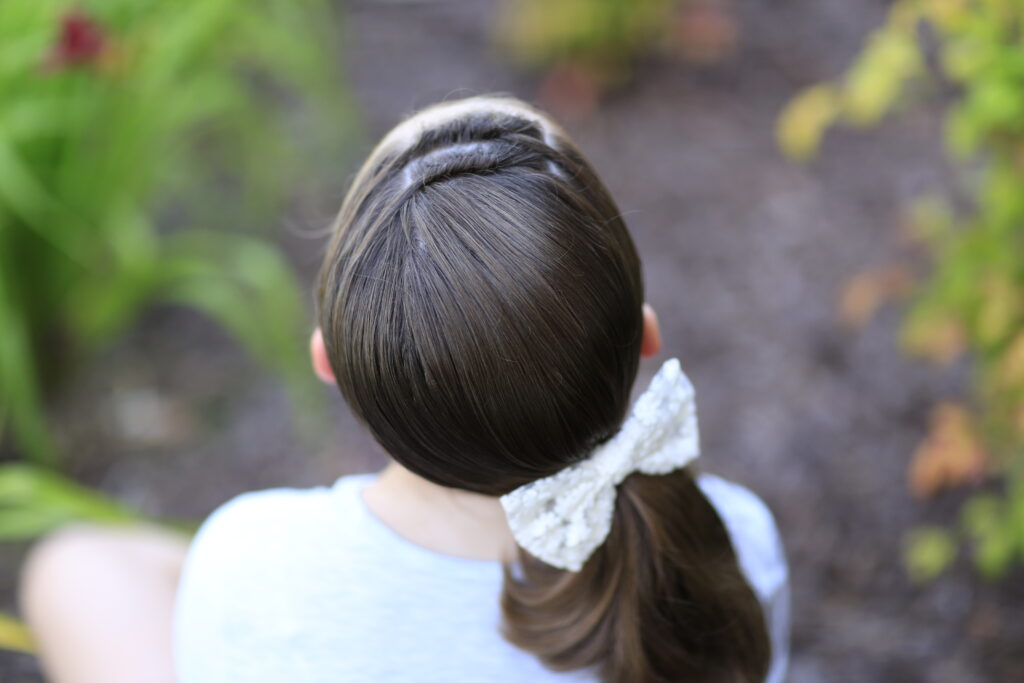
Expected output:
(563, 518)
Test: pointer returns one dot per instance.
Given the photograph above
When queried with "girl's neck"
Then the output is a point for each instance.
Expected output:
(444, 520)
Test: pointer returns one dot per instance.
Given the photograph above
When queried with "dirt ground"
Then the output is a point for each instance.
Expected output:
(744, 255)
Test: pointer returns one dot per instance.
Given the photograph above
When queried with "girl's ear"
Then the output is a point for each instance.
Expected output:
(650, 344)
(318, 353)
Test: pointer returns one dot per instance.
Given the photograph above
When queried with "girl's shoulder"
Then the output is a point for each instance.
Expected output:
(268, 527)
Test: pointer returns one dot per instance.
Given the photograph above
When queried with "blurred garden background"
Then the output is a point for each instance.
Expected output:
(826, 195)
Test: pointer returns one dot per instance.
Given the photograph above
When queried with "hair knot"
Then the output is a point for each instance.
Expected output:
(446, 162)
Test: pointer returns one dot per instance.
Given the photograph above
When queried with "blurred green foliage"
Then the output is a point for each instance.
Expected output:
(602, 42)
(34, 501)
(14, 636)
(139, 141)
(973, 299)
(929, 551)
(607, 34)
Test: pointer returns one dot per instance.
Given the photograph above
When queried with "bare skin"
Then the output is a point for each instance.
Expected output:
(100, 600)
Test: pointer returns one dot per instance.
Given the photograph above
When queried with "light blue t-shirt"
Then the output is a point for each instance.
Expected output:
(308, 586)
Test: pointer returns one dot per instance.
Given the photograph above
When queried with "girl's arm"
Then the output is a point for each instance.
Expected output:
(100, 602)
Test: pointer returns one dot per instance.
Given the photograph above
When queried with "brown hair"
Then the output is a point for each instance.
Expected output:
(480, 302)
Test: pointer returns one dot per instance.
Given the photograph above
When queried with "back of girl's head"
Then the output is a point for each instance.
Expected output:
(480, 302)
(481, 298)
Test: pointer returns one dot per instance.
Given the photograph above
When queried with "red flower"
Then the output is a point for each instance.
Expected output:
(81, 41)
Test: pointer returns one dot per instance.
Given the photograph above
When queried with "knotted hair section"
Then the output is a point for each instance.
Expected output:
(447, 162)
(479, 158)
(489, 143)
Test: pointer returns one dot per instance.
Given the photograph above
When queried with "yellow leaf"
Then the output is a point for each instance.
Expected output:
(804, 120)
(963, 60)
(876, 80)
(937, 337)
(14, 635)
(950, 455)
(905, 14)
(947, 14)
(866, 291)
(537, 30)
(999, 309)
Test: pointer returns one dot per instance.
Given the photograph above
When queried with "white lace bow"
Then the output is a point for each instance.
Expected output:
(563, 518)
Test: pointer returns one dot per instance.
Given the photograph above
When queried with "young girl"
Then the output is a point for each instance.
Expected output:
(481, 310)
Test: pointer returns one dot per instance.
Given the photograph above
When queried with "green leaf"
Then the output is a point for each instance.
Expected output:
(803, 122)
(30, 200)
(29, 118)
(35, 501)
(188, 116)
(985, 520)
(928, 552)
(19, 394)
(995, 103)
(248, 287)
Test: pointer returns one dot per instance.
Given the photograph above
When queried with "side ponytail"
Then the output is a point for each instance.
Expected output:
(662, 600)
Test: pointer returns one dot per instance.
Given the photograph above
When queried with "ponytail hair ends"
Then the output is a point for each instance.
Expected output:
(662, 600)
